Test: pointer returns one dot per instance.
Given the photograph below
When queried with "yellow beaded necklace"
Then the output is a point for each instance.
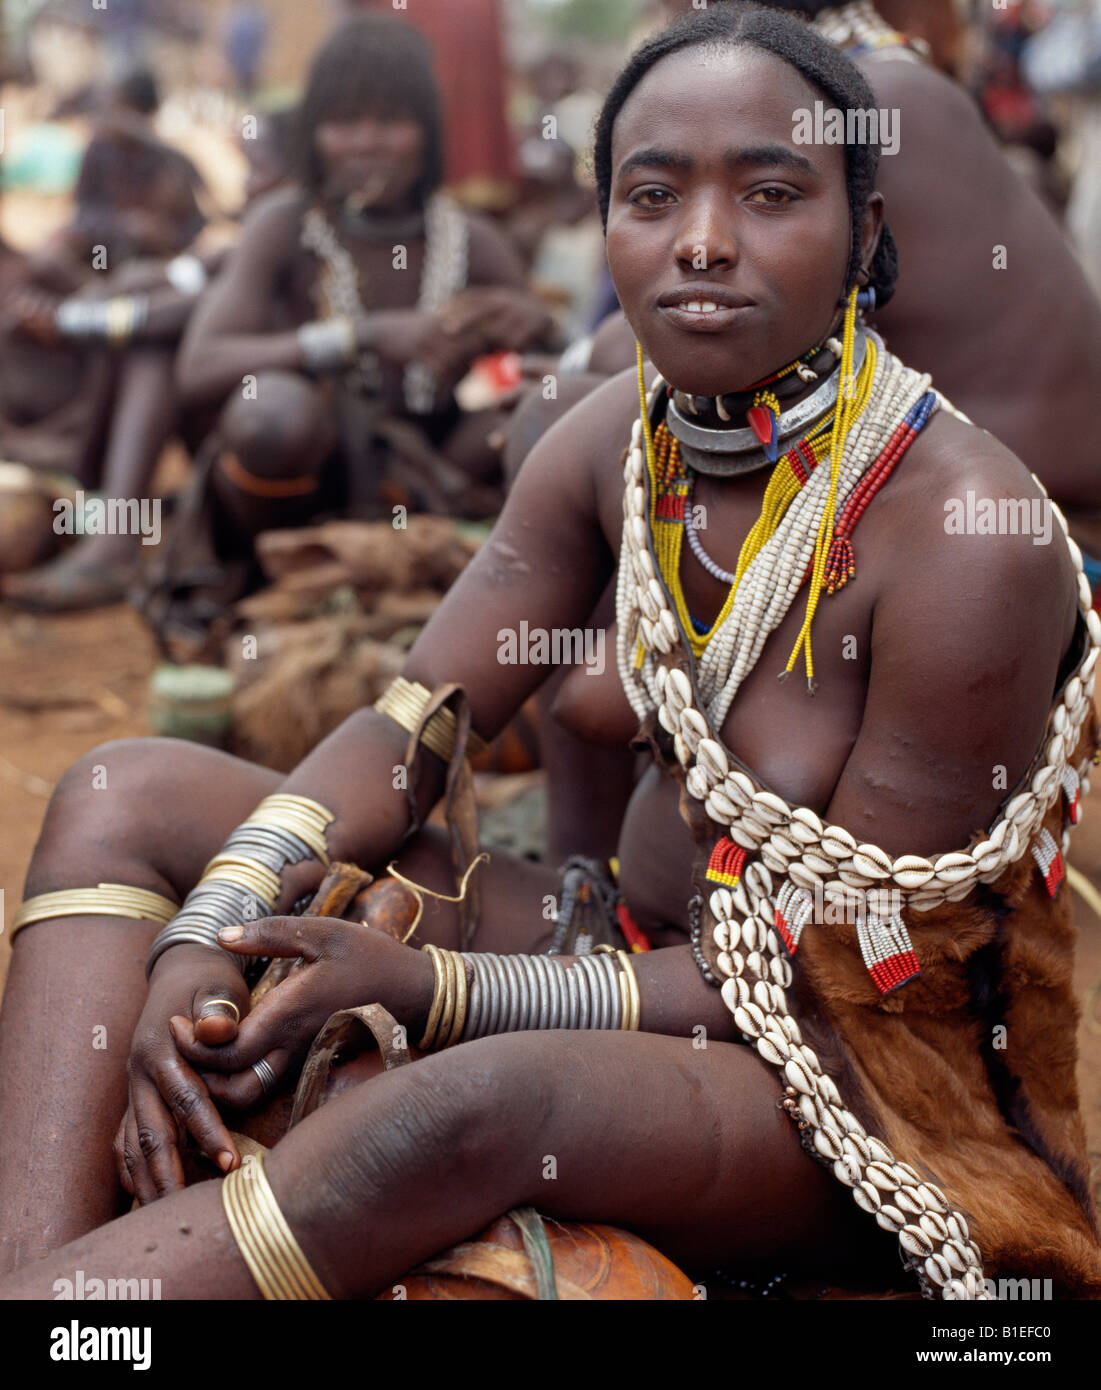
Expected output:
(669, 488)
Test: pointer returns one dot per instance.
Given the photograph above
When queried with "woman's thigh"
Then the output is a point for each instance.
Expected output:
(685, 1146)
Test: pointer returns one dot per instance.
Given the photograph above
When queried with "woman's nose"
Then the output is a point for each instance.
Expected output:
(367, 135)
(705, 237)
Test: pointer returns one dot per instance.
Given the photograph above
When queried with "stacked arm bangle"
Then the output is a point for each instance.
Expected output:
(327, 345)
(244, 879)
(186, 274)
(513, 994)
(114, 320)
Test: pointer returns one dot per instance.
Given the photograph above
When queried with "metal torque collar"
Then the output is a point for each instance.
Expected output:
(720, 444)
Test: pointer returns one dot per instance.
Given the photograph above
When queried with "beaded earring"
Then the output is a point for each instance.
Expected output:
(843, 418)
(763, 417)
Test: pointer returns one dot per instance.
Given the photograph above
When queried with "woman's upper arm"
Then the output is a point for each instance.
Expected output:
(239, 297)
(494, 259)
(526, 599)
(966, 645)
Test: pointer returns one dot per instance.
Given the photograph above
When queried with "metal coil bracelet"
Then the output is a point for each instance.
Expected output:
(244, 879)
(478, 994)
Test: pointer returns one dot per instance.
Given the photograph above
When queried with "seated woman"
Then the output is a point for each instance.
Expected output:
(134, 197)
(350, 309)
(128, 330)
(918, 1045)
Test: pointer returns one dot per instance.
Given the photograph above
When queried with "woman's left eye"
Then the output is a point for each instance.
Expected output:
(773, 197)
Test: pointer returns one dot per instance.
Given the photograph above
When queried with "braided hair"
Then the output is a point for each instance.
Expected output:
(373, 63)
(822, 64)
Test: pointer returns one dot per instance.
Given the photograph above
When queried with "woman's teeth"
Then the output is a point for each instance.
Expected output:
(700, 306)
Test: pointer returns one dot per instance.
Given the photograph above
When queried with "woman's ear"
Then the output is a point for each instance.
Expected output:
(870, 232)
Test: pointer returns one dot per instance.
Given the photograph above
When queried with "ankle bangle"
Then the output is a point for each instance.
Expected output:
(267, 1244)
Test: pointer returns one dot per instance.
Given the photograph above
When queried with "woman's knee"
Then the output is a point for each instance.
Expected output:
(133, 799)
(136, 773)
(279, 425)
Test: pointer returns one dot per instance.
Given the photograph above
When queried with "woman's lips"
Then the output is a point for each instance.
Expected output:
(703, 315)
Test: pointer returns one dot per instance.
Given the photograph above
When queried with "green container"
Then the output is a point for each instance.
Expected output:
(192, 702)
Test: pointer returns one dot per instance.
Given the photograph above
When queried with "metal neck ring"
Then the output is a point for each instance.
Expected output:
(742, 441)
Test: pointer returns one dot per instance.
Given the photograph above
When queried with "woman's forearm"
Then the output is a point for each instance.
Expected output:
(675, 998)
(182, 1241)
(210, 367)
(359, 773)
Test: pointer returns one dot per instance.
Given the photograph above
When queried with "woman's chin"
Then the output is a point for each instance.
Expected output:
(702, 379)
(698, 385)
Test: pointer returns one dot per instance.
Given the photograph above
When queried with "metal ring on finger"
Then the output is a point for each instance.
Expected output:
(265, 1074)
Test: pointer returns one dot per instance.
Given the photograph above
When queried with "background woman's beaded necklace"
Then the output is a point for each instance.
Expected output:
(445, 272)
(858, 28)
(856, 24)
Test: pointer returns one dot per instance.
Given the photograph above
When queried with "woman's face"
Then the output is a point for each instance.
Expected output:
(380, 159)
(712, 201)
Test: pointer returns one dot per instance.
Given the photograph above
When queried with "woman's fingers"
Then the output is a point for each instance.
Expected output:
(244, 1090)
(288, 1016)
(217, 1013)
(279, 936)
(464, 311)
(194, 1113)
(151, 1151)
(140, 1184)
(118, 1148)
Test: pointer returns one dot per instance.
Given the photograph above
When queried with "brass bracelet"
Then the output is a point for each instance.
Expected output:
(306, 819)
(458, 1017)
(267, 1244)
(105, 900)
(432, 1027)
(405, 701)
(447, 1016)
(632, 1000)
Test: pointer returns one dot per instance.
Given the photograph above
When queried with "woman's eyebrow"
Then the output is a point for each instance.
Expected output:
(752, 156)
(655, 158)
(768, 155)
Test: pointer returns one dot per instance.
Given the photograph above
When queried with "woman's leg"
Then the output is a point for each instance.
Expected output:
(96, 570)
(686, 1147)
(145, 812)
(149, 813)
(274, 445)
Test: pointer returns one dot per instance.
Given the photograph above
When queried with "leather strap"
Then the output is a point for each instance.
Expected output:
(460, 809)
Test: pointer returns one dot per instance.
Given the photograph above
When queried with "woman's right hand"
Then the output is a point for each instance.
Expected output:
(167, 1097)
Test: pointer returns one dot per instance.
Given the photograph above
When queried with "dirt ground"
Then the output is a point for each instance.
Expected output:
(70, 683)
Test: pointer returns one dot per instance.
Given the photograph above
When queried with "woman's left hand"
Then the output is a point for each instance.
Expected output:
(509, 320)
(345, 964)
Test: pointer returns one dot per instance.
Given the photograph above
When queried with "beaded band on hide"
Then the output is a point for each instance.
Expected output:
(754, 922)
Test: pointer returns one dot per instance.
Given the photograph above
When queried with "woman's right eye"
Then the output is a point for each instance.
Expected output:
(642, 197)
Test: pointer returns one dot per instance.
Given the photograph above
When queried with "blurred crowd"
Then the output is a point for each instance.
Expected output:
(263, 268)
